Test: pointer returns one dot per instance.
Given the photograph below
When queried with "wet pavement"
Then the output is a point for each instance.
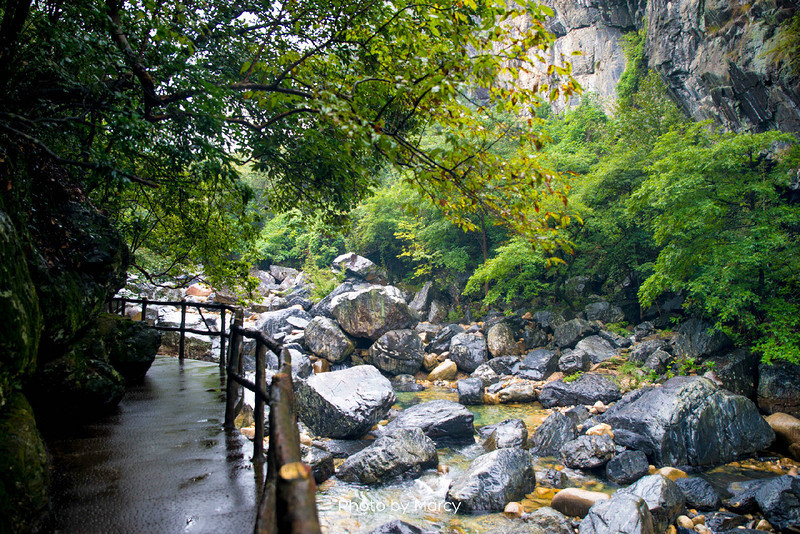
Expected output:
(160, 463)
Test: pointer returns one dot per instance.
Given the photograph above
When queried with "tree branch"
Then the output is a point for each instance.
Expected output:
(96, 166)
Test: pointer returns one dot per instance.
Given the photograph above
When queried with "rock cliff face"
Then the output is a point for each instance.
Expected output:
(715, 56)
(594, 28)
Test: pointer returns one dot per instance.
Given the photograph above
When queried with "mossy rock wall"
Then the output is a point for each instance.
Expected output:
(131, 346)
(24, 477)
(19, 308)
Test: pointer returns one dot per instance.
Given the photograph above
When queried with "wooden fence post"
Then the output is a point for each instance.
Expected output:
(222, 340)
(258, 411)
(233, 364)
(182, 342)
(288, 503)
(144, 309)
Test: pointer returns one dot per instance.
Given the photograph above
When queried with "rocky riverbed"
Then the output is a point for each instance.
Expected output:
(534, 421)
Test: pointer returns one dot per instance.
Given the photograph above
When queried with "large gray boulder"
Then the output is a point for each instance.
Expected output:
(344, 404)
(688, 421)
(324, 338)
(486, 374)
(779, 501)
(587, 389)
(588, 452)
(323, 307)
(353, 264)
(372, 311)
(468, 351)
(492, 481)
(623, 513)
(273, 323)
(699, 493)
(445, 422)
(664, 499)
(659, 361)
(552, 434)
(538, 365)
(421, 302)
(550, 521)
(441, 342)
(566, 335)
(574, 361)
(397, 352)
(627, 467)
(282, 273)
(597, 348)
(738, 371)
(470, 391)
(698, 339)
(779, 388)
(405, 453)
(500, 340)
(641, 351)
(507, 434)
(131, 345)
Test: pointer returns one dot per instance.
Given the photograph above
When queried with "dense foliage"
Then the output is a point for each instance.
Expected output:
(154, 104)
(218, 134)
(661, 206)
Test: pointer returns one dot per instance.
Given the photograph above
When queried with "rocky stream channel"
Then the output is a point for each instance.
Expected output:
(526, 422)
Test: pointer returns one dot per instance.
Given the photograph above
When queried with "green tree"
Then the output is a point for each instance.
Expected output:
(613, 241)
(314, 93)
(729, 238)
(516, 272)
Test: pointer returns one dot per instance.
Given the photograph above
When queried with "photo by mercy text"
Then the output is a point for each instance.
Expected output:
(362, 507)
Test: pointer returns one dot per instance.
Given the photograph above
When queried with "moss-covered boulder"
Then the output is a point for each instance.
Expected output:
(24, 477)
(79, 385)
(19, 308)
(73, 289)
(131, 346)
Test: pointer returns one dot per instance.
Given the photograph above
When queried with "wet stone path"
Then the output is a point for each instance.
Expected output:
(160, 463)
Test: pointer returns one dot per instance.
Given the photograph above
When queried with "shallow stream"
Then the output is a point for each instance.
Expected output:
(354, 508)
(358, 509)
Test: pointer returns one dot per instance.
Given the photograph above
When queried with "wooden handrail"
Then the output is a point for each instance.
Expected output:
(288, 503)
(288, 500)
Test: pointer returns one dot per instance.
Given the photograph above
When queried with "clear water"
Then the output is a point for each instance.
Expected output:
(352, 508)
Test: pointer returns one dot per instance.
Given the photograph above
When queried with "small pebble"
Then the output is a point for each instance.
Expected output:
(443, 469)
(600, 430)
(672, 473)
(702, 529)
(764, 525)
(684, 522)
(671, 530)
(699, 520)
(513, 509)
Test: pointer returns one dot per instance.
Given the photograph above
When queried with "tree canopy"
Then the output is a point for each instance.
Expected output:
(154, 103)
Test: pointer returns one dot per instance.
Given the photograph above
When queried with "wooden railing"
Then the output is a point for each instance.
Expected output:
(288, 498)
(118, 305)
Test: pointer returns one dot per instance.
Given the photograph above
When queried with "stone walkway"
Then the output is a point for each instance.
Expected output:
(160, 464)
